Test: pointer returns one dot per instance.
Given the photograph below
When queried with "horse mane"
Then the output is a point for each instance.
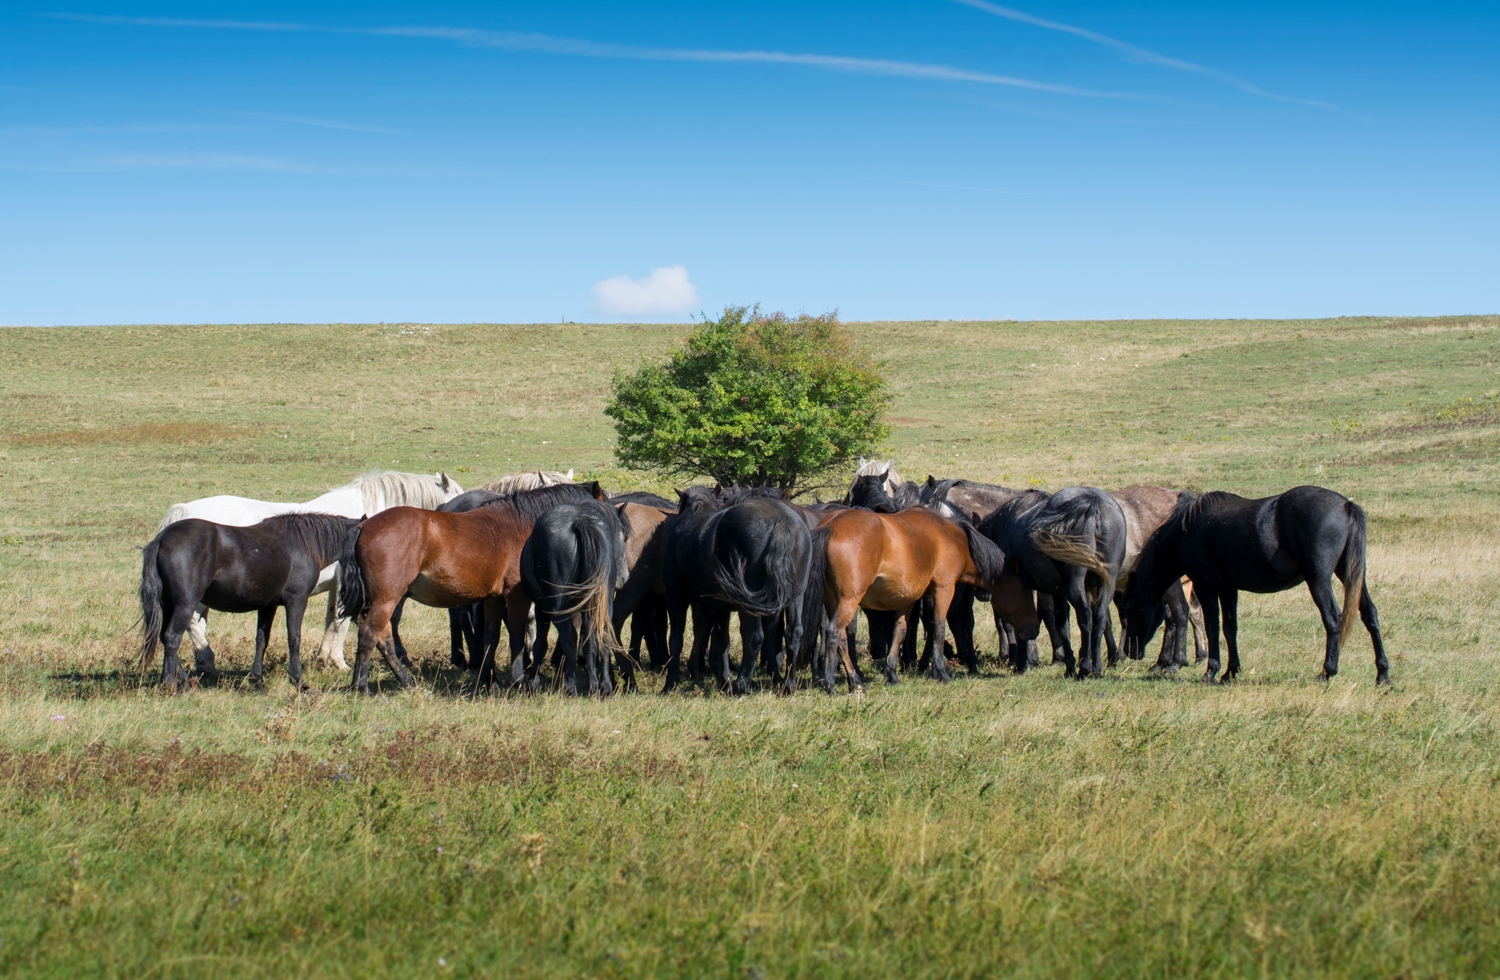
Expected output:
(737, 494)
(1193, 508)
(1184, 511)
(380, 489)
(874, 467)
(529, 480)
(320, 534)
(534, 503)
(698, 498)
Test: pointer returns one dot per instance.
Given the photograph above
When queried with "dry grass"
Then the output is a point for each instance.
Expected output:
(1123, 827)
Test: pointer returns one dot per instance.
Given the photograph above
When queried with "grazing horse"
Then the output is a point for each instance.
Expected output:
(750, 557)
(889, 562)
(965, 498)
(1227, 544)
(195, 563)
(446, 560)
(1145, 510)
(571, 566)
(368, 493)
(1071, 545)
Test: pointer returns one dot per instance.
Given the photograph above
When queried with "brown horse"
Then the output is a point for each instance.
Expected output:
(446, 560)
(890, 562)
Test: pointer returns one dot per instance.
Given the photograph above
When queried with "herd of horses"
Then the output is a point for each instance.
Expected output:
(537, 553)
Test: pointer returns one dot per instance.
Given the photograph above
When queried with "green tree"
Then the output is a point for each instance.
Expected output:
(753, 399)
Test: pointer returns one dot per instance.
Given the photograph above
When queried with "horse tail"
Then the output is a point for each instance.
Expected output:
(1354, 571)
(1070, 549)
(150, 601)
(590, 598)
(175, 513)
(1063, 542)
(354, 599)
(817, 580)
(989, 560)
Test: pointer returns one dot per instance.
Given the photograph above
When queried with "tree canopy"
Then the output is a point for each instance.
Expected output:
(753, 399)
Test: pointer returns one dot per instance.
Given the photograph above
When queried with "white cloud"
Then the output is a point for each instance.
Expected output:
(665, 291)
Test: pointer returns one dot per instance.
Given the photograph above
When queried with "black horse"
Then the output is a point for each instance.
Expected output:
(750, 557)
(237, 570)
(570, 567)
(1069, 545)
(1227, 544)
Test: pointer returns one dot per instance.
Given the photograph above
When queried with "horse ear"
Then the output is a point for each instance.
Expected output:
(443, 480)
(598, 491)
(570, 474)
(931, 480)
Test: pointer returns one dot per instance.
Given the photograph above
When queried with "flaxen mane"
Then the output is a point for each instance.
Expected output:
(384, 489)
(530, 480)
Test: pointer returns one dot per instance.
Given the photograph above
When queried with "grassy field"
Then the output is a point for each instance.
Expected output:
(1123, 827)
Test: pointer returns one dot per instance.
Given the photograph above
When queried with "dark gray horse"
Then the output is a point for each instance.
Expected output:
(1227, 545)
(571, 566)
(1069, 545)
(750, 557)
(234, 569)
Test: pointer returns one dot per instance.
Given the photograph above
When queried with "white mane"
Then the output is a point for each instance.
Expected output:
(383, 489)
(875, 467)
(530, 480)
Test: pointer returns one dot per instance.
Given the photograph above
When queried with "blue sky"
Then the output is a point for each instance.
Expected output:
(193, 162)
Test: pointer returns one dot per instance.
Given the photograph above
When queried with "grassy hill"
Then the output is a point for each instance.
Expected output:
(1120, 827)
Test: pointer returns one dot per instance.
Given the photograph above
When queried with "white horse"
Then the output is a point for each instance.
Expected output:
(366, 494)
(529, 480)
(875, 467)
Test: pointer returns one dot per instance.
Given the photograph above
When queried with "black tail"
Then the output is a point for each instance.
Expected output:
(150, 600)
(591, 591)
(354, 600)
(782, 577)
(989, 560)
(817, 580)
(1354, 571)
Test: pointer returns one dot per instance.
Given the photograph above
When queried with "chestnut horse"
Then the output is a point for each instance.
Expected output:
(446, 560)
(890, 562)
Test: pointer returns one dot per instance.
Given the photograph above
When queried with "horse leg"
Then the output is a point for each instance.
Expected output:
(456, 655)
(1106, 621)
(1210, 602)
(1077, 598)
(942, 597)
(518, 614)
(961, 622)
(1174, 637)
(567, 648)
(393, 660)
(752, 647)
(1371, 619)
(1328, 608)
(677, 625)
(263, 620)
(893, 630)
(718, 650)
(1195, 616)
(175, 622)
(1054, 616)
(296, 607)
(833, 646)
(331, 649)
(203, 654)
(489, 644)
(1100, 625)
(396, 644)
(1229, 602)
(371, 633)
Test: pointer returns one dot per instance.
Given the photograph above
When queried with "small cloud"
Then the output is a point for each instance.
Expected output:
(664, 292)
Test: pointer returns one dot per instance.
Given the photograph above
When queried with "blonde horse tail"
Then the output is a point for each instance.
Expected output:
(1071, 549)
(1354, 572)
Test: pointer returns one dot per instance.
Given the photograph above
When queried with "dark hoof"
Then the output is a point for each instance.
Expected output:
(1208, 678)
(1323, 677)
(741, 687)
(1384, 680)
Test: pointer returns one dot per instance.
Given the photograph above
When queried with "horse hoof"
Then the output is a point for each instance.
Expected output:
(1383, 680)
(1322, 677)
